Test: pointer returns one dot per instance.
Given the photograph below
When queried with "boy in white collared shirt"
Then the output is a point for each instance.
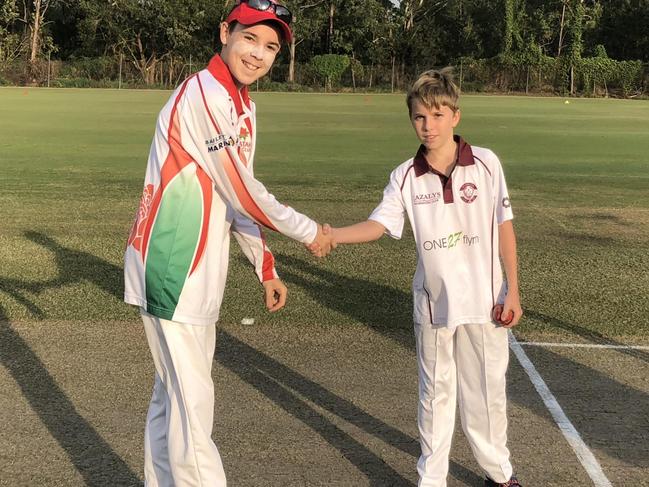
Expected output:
(457, 203)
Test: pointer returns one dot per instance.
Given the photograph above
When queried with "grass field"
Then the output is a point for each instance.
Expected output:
(73, 163)
(323, 392)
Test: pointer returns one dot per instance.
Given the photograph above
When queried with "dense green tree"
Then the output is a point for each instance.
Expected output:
(623, 29)
(149, 31)
(10, 40)
(404, 36)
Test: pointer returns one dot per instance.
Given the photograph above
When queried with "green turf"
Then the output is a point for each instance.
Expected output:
(73, 162)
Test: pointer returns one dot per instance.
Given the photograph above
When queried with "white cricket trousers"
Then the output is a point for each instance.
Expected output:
(468, 362)
(178, 446)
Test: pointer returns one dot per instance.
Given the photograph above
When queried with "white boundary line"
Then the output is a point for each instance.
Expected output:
(583, 345)
(585, 456)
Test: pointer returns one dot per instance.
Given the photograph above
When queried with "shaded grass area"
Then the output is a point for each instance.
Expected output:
(73, 161)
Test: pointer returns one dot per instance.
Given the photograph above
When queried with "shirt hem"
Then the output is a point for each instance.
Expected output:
(164, 313)
(443, 323)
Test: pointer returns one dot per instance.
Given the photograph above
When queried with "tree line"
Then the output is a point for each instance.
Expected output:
(591, 46)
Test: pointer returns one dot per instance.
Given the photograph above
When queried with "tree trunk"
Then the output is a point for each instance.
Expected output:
(563, 16)
(332, 11)
(353, 77)
(36, 27)
(291, 64)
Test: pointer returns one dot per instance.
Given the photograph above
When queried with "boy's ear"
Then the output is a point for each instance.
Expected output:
(456, 118)
(224, 33)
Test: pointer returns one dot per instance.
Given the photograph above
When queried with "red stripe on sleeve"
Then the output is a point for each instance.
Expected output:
(268, 263)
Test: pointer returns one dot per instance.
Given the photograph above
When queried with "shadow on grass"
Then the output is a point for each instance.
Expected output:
(90, 454)
(584, 238)
(590, 335)
(602, 217)
(93, 458)
(280, 384)
(610, 416)
(362, 300)
(357, 299)
(382, 308)
(73, 266)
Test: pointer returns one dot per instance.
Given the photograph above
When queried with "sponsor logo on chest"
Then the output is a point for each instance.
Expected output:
(452, 240)
(219, 142)
(426, 198)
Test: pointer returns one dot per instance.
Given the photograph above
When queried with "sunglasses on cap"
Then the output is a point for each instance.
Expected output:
(281, 12)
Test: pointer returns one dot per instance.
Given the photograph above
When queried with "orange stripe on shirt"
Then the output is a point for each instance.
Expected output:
(176, 160)
(231, 170)
(206, 188)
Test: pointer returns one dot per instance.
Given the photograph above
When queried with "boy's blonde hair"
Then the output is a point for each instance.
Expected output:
(434, 88)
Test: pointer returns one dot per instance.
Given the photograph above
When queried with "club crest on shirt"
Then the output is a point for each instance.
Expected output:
(245, 141)
(426, 198)
(506, 202)
(468, 192)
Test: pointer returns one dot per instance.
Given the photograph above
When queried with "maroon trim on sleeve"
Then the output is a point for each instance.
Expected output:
(481, 162)
(493, 216)
(430, 311)
(405, 176)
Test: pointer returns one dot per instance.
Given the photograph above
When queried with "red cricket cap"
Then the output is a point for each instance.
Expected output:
(246, 15)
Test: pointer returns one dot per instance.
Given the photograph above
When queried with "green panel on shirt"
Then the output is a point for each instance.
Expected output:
(173, 243)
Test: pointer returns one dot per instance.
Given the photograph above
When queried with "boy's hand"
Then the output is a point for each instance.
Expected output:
(509, 314)
(275, 293)
(324, 242)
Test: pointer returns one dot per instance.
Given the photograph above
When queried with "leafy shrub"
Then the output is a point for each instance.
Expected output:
(329, 68)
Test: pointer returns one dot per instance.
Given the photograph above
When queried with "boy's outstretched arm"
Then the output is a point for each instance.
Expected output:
(512, 305)
(362, 232)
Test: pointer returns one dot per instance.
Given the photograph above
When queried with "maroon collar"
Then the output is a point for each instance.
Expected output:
(463, 157)
(222, 73)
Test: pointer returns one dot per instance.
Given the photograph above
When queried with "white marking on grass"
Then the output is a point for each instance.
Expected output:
(585, 456)
(584, 345)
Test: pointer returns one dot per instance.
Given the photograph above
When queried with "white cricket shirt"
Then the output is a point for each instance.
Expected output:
(455, 223)
(199, 188)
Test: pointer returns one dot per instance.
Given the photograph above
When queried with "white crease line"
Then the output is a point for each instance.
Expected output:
(585, 456)
(583, 345)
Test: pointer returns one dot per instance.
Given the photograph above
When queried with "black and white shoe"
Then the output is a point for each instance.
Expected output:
(513, 482)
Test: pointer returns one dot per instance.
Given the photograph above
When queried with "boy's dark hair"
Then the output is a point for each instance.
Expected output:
(233, 24)
(434, 88)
